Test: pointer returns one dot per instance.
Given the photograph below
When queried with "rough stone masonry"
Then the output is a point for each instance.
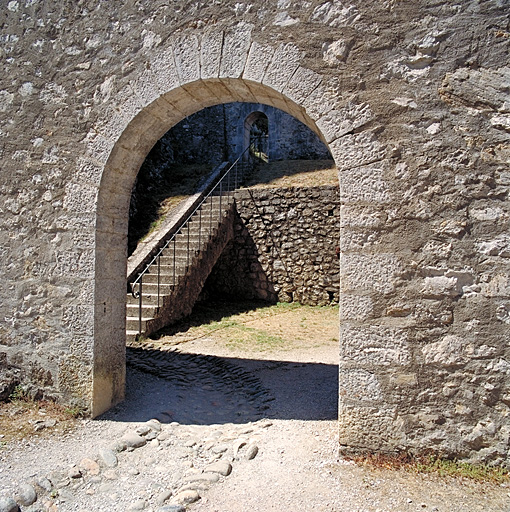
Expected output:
(412, 99)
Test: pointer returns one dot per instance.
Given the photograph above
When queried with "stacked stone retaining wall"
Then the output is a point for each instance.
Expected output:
(285, 247)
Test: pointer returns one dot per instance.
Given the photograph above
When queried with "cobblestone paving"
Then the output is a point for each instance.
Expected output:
(208, 389)
(187, 421)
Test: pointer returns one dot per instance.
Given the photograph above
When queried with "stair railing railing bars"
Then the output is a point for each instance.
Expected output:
(222, 188)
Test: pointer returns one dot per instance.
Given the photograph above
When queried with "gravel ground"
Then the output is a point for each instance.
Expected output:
(223, 407)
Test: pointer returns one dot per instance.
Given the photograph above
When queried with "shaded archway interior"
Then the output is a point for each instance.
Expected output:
(256, 130)
(120, 172)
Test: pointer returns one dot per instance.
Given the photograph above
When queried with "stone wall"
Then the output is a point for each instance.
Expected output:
(216, 134)
(411, 99)
(285, 247)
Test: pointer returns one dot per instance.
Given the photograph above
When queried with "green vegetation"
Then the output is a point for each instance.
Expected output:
(75, 411)
(435, 465)
(454, 468)
(18, 394)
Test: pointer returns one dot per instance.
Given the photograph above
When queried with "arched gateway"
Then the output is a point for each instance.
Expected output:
(173, 88)
(412, 101)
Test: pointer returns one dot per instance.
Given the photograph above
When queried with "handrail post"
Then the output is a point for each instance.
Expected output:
(140, 303)
(199, 228)
(174, 264)
(221, 194)
(159, 275)
(187, 251)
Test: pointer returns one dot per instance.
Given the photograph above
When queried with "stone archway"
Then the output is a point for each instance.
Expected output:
(179, 82)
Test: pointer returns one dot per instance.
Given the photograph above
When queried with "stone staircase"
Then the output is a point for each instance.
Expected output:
(174, 280)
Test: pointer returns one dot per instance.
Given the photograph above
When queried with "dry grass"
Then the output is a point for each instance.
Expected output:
(294, 173)
(23, 418)
(433, 464)
(256, 327)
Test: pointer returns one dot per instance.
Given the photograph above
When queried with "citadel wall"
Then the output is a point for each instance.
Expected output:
(412, 101)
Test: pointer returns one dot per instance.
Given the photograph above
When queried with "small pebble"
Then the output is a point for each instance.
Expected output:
(251, 451)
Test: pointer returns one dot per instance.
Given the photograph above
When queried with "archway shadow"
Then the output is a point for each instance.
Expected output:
(201, 389)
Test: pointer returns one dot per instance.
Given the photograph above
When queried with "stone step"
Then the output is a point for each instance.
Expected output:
(166, 277)
(148, 299)
(148, 310)
(132, 323)
(152, 289)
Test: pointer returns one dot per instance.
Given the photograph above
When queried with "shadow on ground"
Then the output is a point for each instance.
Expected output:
(201, 389)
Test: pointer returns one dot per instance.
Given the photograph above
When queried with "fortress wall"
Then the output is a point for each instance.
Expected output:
(412, 100)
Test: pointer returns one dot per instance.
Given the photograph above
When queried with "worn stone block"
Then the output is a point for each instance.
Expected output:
(88, 171)
(165, 71)
(497, 286)
(352, 151)
(377, 272)
(303, 82)
(284, 64)
(187, 58)
(146, 88)
(355, 307)
(74, 263)
(259, 57)
(79, 319)
(359, 385)
(236, 45)
(361, 428)
(337, 123)
(99, 147)
(210, 54)
(325, 98)
(365, 217)
(374, 346)
(80, 198)
(365, 184)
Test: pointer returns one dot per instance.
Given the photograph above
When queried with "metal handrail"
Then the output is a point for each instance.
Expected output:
(217, 189)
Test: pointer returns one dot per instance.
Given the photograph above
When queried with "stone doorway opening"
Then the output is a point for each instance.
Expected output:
(256, 128)
(262, 272)
(151, 119)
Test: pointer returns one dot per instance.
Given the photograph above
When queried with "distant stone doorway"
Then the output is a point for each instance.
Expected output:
(256, 135)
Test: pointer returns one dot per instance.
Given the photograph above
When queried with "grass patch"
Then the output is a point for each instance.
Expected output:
(433, 464)
(255, 326)
(237, 333)
(294, 173)
(22, 417)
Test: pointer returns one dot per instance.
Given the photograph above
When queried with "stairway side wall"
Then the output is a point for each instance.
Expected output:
(181, 302)
(285, 247)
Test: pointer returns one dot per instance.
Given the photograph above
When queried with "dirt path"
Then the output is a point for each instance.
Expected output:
(298, 468)
(218, 393)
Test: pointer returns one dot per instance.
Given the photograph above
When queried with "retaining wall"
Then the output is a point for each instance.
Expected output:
(285, 247)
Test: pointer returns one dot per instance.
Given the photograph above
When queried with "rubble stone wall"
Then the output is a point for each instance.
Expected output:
(285, 247)
(412, 101)
(216, 134)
